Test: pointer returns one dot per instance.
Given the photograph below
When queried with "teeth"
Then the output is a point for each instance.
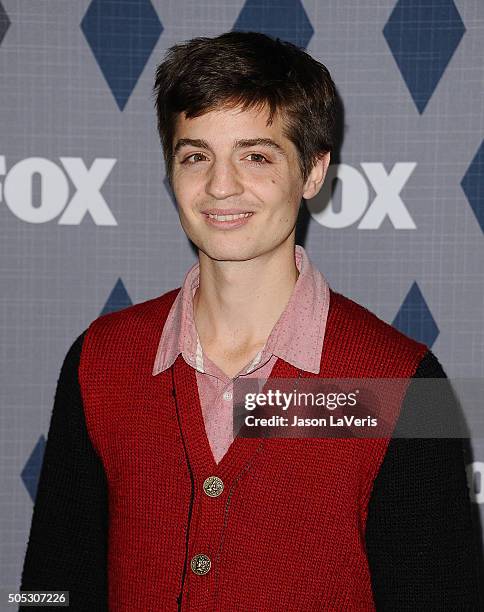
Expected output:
(229, 217)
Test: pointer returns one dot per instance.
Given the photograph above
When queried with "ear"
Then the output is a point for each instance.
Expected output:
(315, 180)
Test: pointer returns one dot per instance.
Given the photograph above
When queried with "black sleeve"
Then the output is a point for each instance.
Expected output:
(67, 546)
(423, 543)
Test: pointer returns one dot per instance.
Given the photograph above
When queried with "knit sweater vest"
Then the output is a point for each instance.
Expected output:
(289, 525)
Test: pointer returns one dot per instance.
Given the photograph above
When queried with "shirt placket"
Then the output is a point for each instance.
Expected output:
(219, 422)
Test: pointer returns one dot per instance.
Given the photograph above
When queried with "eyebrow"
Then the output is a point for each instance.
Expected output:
(238, 144)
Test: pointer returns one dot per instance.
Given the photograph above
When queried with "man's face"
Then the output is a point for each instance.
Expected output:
(230, 161)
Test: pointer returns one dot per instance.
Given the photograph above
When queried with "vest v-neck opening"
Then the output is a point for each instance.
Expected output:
(192, 422)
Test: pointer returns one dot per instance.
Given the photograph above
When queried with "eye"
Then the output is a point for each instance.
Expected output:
(261, 159)
(194, 155)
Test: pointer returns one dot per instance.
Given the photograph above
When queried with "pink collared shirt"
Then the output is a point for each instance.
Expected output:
(297, 338)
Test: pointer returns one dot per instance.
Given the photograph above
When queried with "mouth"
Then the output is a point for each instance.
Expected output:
(229, 217)
(227, 221)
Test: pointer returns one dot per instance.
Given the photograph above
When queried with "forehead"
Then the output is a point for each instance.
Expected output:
(229, 124)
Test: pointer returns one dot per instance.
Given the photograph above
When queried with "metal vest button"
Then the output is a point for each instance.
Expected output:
(213, 486)
(200, 564)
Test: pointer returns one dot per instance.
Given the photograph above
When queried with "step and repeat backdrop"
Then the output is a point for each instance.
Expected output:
(88, 224)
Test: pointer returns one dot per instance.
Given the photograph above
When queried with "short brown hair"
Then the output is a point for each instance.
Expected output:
(250, 70)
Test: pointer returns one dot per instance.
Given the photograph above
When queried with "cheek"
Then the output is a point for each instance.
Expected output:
(284, 193)
(282, 203)
(272, 188)
(185, 193)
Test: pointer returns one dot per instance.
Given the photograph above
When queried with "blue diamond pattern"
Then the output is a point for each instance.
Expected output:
(4, 22)
(422, 37)
(473, 185)
(415, 319)
(31, 472)
(122, 35)
(118, 299)
(285, 19)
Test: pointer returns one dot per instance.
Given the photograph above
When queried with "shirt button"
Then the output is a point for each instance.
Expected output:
(200, 564)
(227, 395)
(213, 486)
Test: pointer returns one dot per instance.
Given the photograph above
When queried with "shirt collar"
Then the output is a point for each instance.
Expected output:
(298, 345)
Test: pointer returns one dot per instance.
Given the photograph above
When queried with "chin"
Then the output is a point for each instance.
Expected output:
(229, 253)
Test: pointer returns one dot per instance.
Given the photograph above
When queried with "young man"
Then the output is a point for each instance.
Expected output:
(145, 501)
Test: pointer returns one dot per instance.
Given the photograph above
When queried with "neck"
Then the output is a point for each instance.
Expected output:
(238, 303)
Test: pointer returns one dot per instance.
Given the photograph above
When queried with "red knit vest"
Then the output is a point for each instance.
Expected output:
(287, 532)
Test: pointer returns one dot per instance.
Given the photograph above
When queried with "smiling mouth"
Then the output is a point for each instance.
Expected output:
(229, 217)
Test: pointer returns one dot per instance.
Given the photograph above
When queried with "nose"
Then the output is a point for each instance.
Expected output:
(223, 180)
